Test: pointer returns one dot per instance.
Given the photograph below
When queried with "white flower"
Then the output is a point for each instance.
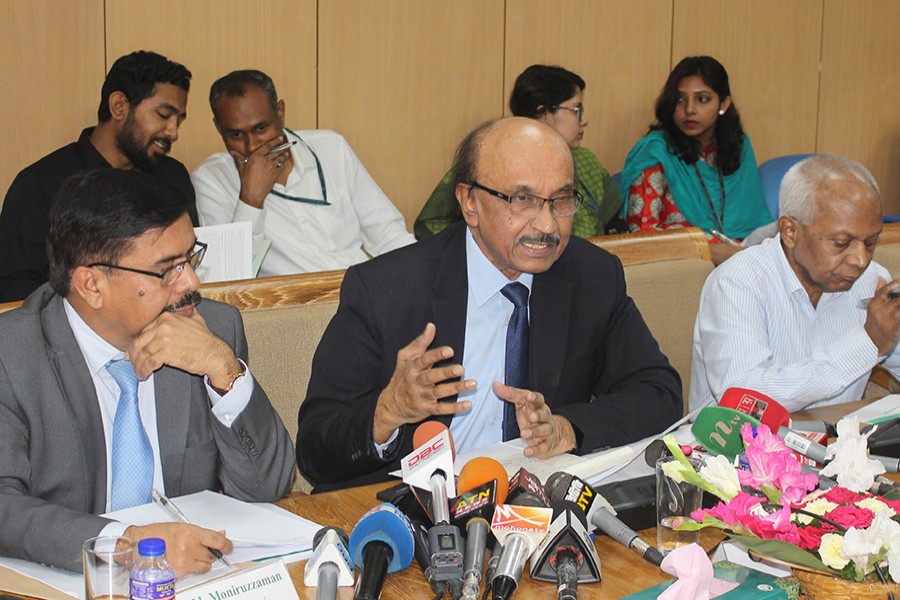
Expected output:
(893, 557)
(819, 506)
(851, 463)
(675, 470)
(830, 551)
(875, 505)
(719, 471)
(867, 546)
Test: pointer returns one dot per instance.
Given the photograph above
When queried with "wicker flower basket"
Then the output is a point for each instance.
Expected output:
(815, 585)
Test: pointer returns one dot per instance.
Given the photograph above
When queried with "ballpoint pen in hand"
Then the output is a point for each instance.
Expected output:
(174, 512)
(723, 237)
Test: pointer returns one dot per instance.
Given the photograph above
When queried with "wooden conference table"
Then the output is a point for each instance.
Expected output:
(623, 571)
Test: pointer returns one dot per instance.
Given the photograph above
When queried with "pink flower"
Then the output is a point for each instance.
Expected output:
(775, 525)
(894, 504)
(765, 467)
(729, 512)
(841, 495)
(849, 516)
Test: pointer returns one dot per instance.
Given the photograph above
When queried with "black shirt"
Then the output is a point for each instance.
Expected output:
(25, 217)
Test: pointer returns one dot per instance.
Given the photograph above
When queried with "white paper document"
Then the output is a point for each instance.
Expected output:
(880, 410)
(231, 252)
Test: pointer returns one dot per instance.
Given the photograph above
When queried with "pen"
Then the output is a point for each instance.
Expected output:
(174, 512)
(281, 147)
(723, 237)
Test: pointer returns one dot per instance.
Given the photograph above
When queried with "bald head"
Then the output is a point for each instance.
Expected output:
(523, 158)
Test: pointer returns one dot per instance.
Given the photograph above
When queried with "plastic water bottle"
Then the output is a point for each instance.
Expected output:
(152, 577)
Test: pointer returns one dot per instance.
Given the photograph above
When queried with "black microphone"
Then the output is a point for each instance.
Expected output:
(563, 486)
(330, 565)
(567, 555)
(423, 557)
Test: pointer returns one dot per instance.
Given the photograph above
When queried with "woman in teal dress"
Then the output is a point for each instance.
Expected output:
(552, 95)
(696, 166)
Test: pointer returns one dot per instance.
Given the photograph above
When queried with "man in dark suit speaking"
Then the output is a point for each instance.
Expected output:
(500, 327)
(114, 381)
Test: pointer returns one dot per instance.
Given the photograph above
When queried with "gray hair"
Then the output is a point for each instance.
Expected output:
(798, 193)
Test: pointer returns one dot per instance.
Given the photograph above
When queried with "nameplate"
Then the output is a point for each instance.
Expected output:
(263, 582)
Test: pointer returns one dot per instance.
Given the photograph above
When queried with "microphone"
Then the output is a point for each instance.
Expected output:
(330, 565)
(382, 542)
(567, 555)
(431, 465)
(718, 429)
(527, 487)
(519, 529)
(563, 486)
(480, 479)
(759, 406)
(423, 557)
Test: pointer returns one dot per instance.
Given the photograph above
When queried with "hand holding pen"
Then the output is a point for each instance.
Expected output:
(173, 511)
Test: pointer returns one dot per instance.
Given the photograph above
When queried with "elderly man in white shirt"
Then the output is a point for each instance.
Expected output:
(805, 316)
(311, 196)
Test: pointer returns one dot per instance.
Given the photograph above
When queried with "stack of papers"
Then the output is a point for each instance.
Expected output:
(258, 531)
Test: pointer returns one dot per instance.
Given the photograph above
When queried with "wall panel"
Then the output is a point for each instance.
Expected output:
(858, 108)
(405, 80)
(214, 37)
(51, 69)
(771, 51)
(620, 48)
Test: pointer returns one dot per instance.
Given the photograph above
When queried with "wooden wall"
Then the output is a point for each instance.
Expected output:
(404, 80)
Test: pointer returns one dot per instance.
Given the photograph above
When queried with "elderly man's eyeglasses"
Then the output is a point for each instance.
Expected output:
(578, 110)
(169, 275)
(529, 205)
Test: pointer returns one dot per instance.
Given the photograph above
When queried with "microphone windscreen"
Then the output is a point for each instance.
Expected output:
(481, 470)
(342, 535)
(557, 486)
(428, 430)
(384, 523)
(654, 451)
(759, 406)
(718, 429)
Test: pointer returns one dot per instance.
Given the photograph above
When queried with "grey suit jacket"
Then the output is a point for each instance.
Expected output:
(52, 448)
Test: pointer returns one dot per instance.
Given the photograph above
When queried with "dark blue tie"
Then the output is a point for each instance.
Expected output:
(516, 353)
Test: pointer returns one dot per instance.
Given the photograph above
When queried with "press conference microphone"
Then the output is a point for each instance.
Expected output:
(423, 557)
(382, 542)
(719, 430)
(520, 529)
(430, 466)
(567, 554)
(526, 485)
(563, 486)
(330, 565)
(482, 483)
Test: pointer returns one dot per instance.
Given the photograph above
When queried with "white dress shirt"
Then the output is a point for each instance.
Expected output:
(97, 353)
(307, 236)
(757, 329)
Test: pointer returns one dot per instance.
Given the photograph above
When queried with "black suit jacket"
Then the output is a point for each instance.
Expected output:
(591, 354)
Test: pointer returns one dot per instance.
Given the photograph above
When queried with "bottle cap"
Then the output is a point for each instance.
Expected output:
(152, 547)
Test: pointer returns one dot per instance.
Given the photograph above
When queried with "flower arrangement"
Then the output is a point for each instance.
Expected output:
(771, 506)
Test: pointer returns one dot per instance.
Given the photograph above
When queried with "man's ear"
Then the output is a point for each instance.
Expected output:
(787, 227)
(118, 106)
(467, 204)
(279, 110)
(89, 284)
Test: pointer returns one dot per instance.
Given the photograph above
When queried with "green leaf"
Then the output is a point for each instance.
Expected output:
(783, 551)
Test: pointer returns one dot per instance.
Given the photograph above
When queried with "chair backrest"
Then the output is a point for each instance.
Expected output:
(772, 172)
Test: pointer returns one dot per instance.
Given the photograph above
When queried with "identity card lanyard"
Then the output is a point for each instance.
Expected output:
(324, 200)
(719, 221)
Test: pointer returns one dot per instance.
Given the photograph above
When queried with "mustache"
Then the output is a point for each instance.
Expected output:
(551, 239)
(189, 299)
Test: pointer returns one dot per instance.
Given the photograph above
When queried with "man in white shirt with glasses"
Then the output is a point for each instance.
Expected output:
(306, 191)
(115, 381)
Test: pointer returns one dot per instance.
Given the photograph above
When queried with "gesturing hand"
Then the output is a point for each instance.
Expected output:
(416, 386)
(883, 317)
(545, 433)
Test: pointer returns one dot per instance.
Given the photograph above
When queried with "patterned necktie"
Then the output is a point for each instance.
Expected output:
(132, 457)
(516, 353)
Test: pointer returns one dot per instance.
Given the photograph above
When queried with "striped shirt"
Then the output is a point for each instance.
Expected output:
(756, 328)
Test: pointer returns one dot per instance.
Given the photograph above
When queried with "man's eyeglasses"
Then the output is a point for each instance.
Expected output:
(529, 205)
(578, 110)
(169, 275)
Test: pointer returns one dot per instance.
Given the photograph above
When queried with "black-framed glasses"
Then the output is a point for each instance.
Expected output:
(169, 275)
(529, 205)
(578, 110)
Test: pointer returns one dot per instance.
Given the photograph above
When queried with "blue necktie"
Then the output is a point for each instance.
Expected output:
(516, 353)
(132, 456)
